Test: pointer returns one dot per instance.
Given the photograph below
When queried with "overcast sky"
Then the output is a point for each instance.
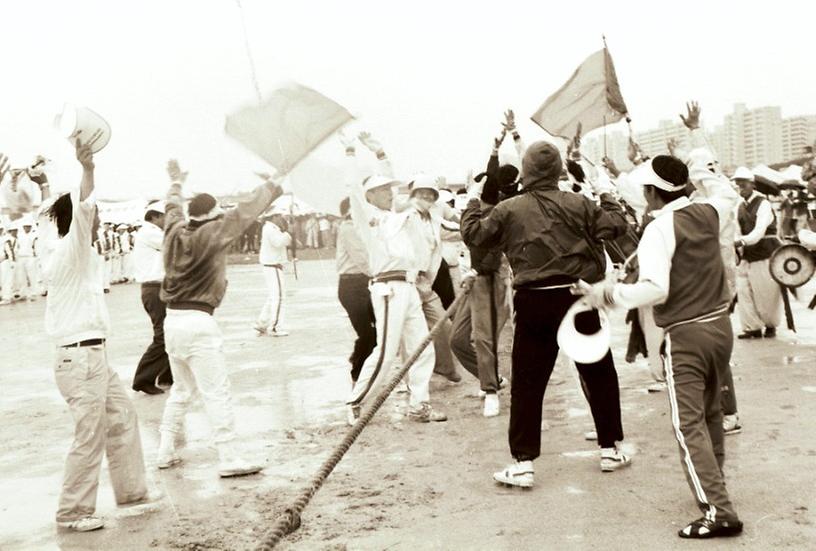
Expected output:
(429, 78)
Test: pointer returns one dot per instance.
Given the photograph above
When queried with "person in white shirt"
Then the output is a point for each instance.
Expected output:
(76, 317)
(27, 274)
(272, 258)
(395, 242)
(125, 270)
(8, 263)
(759, 299)
(149, 271)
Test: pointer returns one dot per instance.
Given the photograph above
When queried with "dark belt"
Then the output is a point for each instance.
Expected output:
(395, 275)
(88, 342)
(278, 266)
(355, 276)
(198, 306)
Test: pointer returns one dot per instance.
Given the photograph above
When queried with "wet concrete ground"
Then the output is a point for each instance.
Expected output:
(402, 485)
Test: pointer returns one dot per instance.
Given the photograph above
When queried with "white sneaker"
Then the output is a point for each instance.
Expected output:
(731, 424)
(426, 414)
(260, 329)
(590, 436)
(613, 459)
(237, 467)
(279, 333)
(150, 498)
(167, 459)
(352, 414)
(502, 384)
(85, 524)
(518, 474)
(491, 405)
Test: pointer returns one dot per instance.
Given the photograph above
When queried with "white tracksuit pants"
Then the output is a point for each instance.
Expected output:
(271, 315)
(27, 276)
(7, 268)
(194, 346)
(759, 299)
(398, 311)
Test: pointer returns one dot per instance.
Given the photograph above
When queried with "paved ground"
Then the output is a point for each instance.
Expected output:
(402, 486)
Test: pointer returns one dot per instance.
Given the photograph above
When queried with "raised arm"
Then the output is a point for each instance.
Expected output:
(85, 158)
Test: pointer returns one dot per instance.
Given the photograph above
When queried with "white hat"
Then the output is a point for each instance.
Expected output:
(121, 227)
(445, 196)
(157, 206)
(582, 348)
(743, 173)
(378, 180)
(424, 181)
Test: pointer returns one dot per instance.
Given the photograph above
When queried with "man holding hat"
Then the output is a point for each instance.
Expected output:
(397, 251)
(195, 263)
(274, 242)
(551, 238)
(680, 249)
(148, 269)
(759, 300)
(76, 317)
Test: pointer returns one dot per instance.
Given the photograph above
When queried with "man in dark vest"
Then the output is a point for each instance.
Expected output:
(677, 251)
(758, 296)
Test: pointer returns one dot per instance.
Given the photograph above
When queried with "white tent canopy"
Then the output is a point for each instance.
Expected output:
(289, 204)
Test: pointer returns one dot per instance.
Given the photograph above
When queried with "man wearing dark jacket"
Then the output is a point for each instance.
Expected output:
(195, 258)
(552, 239)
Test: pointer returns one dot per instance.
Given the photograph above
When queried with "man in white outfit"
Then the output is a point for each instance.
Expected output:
(28, 277)
(393, 241)
(274, 242)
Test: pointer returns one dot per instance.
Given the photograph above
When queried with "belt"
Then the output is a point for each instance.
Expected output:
(278, 266)
(354, 276)
(395, 275)
(704, 318)
(199, 306)
(88, 342)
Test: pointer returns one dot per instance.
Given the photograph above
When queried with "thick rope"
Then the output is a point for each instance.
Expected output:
(289, 520)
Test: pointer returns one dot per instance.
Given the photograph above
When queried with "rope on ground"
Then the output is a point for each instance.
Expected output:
(289, 520)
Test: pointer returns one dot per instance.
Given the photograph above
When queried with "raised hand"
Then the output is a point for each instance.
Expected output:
(509, 123)
(611, 167)
(348, 142)
(672, 144)
(84, 155)
(368, 140)
(498, 141)
(174, 171)
(692, 118)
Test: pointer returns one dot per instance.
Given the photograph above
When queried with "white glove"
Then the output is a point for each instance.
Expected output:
(602, 184)
(348, 142)
(370, 142)
(475, 190)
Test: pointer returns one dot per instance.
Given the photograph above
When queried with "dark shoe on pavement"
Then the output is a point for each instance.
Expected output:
(770, 332)
(703, 528)
(150, 389)
(750, 335)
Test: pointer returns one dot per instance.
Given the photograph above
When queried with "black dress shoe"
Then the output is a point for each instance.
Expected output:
(152, 389)
(703, 529)
(770, 332)
(751, 335)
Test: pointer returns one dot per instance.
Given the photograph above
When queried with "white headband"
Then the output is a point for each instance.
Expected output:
(654, 179)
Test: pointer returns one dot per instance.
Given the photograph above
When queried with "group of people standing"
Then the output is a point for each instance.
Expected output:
(538, 240)
(550, 236)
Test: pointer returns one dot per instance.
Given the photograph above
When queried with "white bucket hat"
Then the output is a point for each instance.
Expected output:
(582, 348)
(378, 180)
(743, 173)
(424, 181)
